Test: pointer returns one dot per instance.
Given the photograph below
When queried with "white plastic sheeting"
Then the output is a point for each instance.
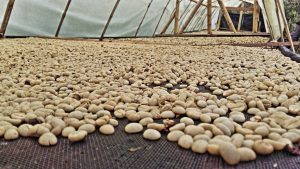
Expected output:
(35, 17)
(87, 18)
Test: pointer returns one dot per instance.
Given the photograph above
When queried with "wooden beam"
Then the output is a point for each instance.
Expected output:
(255, 16)
(168, 23)
(138, 29)
(250, 9)
(162, 14)
(7, 14)
(241, 17)
(191, 16)
(63, 18)
(217, 34)
(184, 14)
(209, 18)
(279, 21)
(109, 19)
(176, 23)
(226, 15)
(287, 29)
(219, 21)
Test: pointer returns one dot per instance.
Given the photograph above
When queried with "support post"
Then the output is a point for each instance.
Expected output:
(226, 15)
(219, 21)
(187, 22)
(255, 16)
(138, 29)
(241, 17)
(6, 17)
(168, 23)
(162, 14)
(63, 18)
(109, 19)
(279, 21)
(209, 13)
(176, 23)
(286, 26)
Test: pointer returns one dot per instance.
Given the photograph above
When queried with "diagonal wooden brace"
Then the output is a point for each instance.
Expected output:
(6, 17)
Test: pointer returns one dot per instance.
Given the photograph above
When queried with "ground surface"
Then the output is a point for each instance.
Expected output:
(32, 58)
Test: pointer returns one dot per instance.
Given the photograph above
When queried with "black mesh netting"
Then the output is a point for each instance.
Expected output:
(122, 151)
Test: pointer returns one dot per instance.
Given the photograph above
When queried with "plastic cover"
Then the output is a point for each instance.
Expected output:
(87, 18)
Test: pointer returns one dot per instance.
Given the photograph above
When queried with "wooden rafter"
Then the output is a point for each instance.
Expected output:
(187, 22)
(241, 17)
(63, 18)
(209, 18)
(255, 16)
(109, 19)
(6, 17)
(279, 21)
(168, 23)
(249, 9)
(176, 23)
(287, 29)
(162, 14)
(219, 21)
(137, 30)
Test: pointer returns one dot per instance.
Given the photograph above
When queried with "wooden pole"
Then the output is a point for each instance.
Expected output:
(187, 22)
(109, 19)
(287, 29)
(176, 23)
(138, 29)
(168, 23)
(6, 17)
(227, 16)
(279, 21)
(63, 18)
(209, 13)
(185, 12)
(219, 21)
(241, 18)
(255, 17)
(162, 14)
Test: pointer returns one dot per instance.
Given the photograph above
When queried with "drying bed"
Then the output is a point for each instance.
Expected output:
(37, 71)
(122, 151)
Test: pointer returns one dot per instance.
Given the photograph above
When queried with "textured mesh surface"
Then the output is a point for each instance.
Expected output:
(98, 151)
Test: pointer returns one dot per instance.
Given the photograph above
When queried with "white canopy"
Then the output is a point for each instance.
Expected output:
(132, 17)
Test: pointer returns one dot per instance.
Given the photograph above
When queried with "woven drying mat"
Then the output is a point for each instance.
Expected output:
(122, 151)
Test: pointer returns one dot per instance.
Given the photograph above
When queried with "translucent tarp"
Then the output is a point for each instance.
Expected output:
(132, 18)
(86, 23)
(35, 17)
(87, 18)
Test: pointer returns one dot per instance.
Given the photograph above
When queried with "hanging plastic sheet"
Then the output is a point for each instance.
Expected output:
(88, 18)
(35, 17)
